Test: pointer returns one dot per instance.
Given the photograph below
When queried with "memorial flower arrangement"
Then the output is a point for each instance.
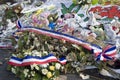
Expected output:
(41, 64)
(58, 39)
(39, 46)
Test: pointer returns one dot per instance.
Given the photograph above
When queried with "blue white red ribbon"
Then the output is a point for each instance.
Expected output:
(54, 34)
(99, 53)
(15, 36)
(18, 24)
(107, 54)
(29, 60)
(57, 35)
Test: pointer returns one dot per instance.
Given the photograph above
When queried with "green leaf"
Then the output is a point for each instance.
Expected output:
(57, 73)
(22, 76)
(86, 19)
(63, 11)
(81, 15)
(77, 9)
(9, 67)
(20, 43)
(44, 78)
(37, 77)
(64, 8)
(74, 1)
(71, 7)
(94, 2)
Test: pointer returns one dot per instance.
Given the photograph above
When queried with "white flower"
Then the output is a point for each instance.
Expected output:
(26, 72)
(28, 76)
(79, 2)
(34, 66)
(33, 73)
(78, 69)
(89, 1)
(13, 70)
(28, 42)
(33, 35)
(45, 52)
(14, 55)
(36, 42)
(27, 53)
(62, 68)
(44, 71)
(57, 66)
(44, 65)
(31, 47)
(36, 53)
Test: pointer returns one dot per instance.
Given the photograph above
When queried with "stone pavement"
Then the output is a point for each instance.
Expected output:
(4, 74)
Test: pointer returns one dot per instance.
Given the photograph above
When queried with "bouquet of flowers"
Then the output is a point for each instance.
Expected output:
(61, 32)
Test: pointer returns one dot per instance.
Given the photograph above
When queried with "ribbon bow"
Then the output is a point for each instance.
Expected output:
(108, 53)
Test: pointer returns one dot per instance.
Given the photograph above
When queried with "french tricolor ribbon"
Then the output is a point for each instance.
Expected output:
(57, 35)
(18, 24)
(15, 36)
(29, 60)
(53, 34)
(97, 50)
(107, 54)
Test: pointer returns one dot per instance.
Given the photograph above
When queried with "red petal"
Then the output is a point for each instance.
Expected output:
(104, 14)
(114, 28)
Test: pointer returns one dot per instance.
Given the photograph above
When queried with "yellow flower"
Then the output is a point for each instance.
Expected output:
(52, 68)
(49, 74)
(39, 11)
